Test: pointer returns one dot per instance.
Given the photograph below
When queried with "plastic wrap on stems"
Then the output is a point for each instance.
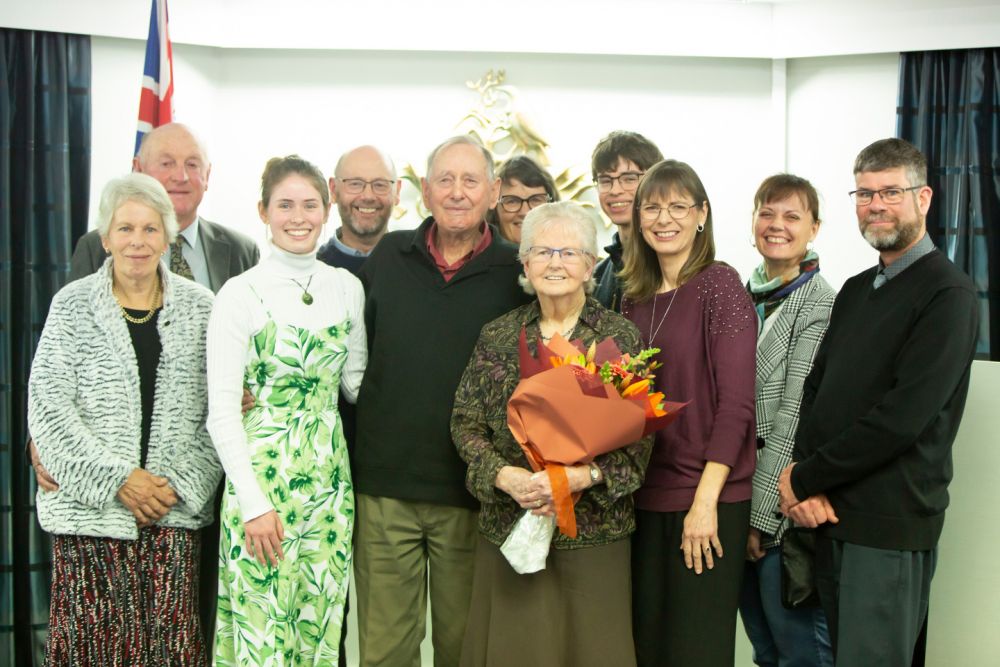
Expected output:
(527, 546)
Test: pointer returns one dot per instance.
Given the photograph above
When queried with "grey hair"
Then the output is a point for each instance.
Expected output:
(466, 140)
(893, 153)
(147, 141)
(566, 214)
(137, 187)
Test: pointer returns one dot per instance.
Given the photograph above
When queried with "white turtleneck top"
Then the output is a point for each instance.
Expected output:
(238, 313)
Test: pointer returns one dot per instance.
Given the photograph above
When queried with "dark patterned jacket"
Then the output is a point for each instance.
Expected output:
(604, 513)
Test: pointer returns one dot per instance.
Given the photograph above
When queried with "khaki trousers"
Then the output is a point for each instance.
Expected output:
(398, 546)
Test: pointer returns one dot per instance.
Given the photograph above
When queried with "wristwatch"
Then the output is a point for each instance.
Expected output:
(595, 474)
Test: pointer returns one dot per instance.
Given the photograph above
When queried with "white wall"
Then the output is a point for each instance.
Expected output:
(715, 113)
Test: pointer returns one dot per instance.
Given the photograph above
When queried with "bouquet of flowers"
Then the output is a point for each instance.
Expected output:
(571, 406)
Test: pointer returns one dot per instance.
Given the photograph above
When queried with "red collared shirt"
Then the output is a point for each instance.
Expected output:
(448, 270)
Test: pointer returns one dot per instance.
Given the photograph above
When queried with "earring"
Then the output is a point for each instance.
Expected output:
(809, 245)
(753, 241)
(701, 228)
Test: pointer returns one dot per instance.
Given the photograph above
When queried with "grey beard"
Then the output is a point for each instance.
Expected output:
(897, 239)
(882, 241)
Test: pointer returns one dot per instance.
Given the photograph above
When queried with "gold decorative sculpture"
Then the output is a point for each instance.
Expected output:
(497, 124)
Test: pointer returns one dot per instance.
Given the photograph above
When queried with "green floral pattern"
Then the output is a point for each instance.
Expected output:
(291, 614)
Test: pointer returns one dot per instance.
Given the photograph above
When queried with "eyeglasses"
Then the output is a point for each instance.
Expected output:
(629, 181)
(513, 203)
(540, 254)
(355, 186)
(677, 211)
(887, 195)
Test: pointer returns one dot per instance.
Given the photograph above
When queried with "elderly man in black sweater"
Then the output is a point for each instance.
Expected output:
(879, 414)
(428, 293)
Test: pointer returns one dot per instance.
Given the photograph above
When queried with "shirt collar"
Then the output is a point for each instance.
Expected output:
(190, 234)
(919, 249)
(344, 248)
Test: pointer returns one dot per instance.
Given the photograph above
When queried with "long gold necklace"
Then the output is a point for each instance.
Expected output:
(148, 316)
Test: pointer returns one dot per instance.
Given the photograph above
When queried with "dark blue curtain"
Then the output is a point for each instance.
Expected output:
(44, 190)
(949, 107)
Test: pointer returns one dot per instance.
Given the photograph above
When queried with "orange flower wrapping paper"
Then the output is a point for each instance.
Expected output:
(567, 416)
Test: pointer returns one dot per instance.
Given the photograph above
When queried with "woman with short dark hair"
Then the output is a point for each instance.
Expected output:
(524, 185)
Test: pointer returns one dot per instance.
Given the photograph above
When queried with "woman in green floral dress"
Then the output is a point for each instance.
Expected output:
(291, 331)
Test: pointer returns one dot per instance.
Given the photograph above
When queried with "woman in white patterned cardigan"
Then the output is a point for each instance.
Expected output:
(793, 304)
(117, 406)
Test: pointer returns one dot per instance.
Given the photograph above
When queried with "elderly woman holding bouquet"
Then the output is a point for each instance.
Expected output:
(576, 611)
(117, 404)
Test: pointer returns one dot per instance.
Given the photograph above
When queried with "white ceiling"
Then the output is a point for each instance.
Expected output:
(723, 28)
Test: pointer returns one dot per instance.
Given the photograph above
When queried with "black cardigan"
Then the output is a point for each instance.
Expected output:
(883, 402)
(421, 331)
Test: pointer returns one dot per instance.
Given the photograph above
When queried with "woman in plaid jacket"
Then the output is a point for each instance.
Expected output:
(793, 304)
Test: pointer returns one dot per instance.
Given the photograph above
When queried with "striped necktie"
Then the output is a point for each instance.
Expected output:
(178, 264)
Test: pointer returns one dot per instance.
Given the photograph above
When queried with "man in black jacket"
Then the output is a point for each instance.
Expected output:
(428, 293)
(618, 162)
(880, 411)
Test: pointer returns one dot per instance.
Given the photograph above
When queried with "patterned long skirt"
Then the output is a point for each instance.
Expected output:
(126, 603)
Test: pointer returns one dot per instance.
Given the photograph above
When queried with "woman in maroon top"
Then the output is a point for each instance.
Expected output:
(693, 509)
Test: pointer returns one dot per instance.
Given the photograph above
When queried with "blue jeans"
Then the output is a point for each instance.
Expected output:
(780, 637)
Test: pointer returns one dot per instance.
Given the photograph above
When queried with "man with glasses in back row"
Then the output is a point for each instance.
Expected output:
(365, 188)
(879, 414)
(618, 162)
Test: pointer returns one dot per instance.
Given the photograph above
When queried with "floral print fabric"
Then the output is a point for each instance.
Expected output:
(291, 614)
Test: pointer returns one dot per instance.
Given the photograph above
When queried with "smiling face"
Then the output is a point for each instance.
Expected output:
(365, 214)
(892, 227)
(136, 240)
(295, 214)
(510, 223)
(558, 276)
(617, 202)
(458, 190)
(782, 231)
(171, 155)
(668, 237)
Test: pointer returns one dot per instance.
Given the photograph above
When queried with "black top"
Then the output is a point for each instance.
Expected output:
(609, 288)
(421, 331)
(146, 342)
(331, 255)
(883, 402)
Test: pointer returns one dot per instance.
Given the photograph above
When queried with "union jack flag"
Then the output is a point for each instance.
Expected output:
(156, 101)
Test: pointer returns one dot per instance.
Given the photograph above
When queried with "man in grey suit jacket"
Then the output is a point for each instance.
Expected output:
(173, 155)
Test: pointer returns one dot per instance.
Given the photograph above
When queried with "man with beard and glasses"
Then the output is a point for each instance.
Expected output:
(879, 414)
(366, 189)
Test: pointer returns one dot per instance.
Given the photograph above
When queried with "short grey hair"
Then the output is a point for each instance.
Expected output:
(465, 140)
(567, 214)
(893, 153)
(137, 187)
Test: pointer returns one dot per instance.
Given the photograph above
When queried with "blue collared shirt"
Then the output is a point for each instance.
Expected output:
(887, 273)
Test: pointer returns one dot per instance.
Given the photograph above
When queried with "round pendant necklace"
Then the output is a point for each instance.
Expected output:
(148, 316)
(307, 298)
(652, 316)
